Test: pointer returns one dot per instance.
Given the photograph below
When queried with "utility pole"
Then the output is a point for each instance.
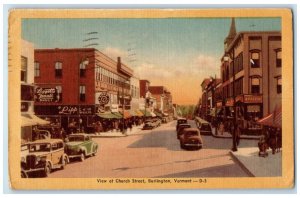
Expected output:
(234, 143)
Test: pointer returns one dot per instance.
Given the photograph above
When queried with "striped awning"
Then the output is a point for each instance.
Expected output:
(273, 120)
(31, 120)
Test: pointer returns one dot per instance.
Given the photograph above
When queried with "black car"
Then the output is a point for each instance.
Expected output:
(181, 127)
(180, 121)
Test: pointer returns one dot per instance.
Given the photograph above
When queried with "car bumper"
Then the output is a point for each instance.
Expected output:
(193, 144)
(33, 170)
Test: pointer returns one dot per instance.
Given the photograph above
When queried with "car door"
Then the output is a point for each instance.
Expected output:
(56, 154)
(88, 144)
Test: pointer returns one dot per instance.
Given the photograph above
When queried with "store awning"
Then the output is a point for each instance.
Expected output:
(31, 120)
(139, 113)
(158, 114)
(126, 114)
(109, 115)
(118, 115)
(273, 120)
(133, 113)
(147, 114)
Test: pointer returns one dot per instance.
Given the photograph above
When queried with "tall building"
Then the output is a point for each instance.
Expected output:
(163, 98)
(251, 74)
(78, 84)
(28, 119)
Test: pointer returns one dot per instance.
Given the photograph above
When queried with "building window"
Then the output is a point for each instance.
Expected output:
(255, 60)
(278, 59)
(36, 69)
(82, 93)
(24, 63)
(82, 68)
(255, 86)
(59, 93)
(58, 69)
(279, 85)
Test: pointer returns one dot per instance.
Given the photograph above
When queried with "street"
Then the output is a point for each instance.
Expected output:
(156, 153)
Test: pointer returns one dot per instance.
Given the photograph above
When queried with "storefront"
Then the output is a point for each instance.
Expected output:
(249, 110)
(69, 117)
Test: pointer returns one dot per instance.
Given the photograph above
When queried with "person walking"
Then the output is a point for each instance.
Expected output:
(221, 128)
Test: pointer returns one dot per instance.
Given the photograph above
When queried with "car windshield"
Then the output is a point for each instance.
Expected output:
(191, 133)
(182, 121)
(76, 138)
(205, 127)
(45, 147)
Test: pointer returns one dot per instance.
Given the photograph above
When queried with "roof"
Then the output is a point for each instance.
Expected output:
(254, 33)
(41, 141)
(156, 89)
(191, 129)
(205, 81)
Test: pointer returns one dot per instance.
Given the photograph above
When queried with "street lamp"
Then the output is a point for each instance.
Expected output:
(234, 134)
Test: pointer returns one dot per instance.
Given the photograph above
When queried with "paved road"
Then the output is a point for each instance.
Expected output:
(157, 153)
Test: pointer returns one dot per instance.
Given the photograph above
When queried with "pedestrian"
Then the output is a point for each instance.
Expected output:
(238, 135)
(130, 124)
(221, 128)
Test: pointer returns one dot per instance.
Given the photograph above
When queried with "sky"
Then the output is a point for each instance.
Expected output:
(177, 53)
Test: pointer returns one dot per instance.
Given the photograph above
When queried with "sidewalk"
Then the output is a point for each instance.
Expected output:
(256, 166)
(228, 135)
(135, 130)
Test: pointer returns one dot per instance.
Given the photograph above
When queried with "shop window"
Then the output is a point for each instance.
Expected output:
(255, 86)
(279, 86)
(278, 59)
(82, 93)
(255, 60)
(36, 69)
(59, 93)
(24, 63)
(58, 69)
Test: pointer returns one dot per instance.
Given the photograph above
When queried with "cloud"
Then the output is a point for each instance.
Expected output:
(115, 52)
(182, 80)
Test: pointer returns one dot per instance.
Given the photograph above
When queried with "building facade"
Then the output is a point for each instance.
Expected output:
(75, 85)
(163, 98)
(251, 74)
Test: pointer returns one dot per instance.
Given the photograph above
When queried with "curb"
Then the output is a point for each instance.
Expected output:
(242, 137)
(241, 164)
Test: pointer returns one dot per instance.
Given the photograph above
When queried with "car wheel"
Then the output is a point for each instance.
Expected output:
(82, 157)
(47, 170)
(95, 152)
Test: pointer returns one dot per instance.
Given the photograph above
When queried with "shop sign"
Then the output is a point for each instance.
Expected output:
(219, 104)
(64, 109)
(252, 99)
(46, 95)
(73, 110)
(115, 108)
(239, 98)
(102, 98)
(229, 102)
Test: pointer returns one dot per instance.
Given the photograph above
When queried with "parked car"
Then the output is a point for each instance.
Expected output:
(205, 128)
(180, 121)
(191, 138)
(156, 122)
(180, 129)
(44, 155)
(80, 146)
(148, 125)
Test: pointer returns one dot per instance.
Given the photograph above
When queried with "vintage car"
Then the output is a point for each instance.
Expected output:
(190, 138)
(148, 125)
(180, 129)
(180, 121)
(80, 146)
(205, 128)
(43, 156)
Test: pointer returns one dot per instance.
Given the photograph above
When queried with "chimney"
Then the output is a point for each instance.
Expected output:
(119, 63)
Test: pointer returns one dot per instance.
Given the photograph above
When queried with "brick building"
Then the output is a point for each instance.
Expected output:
(163, 98)
(78, 84)
(251, 74)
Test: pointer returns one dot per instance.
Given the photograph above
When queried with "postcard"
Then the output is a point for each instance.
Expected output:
(151, 99)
